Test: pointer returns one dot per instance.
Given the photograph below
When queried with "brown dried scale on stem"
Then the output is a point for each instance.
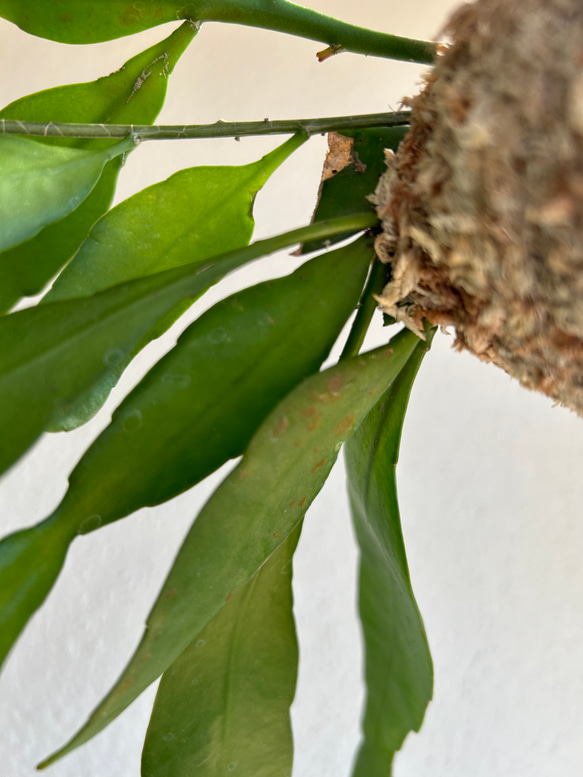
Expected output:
(482, 207)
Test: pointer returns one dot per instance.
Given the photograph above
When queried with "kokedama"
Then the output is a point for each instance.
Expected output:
(471, 197)
(483, 206)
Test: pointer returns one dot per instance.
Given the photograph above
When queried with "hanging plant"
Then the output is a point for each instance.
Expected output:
(470, 197)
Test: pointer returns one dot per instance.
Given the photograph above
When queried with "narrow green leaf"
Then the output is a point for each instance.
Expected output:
(133, 95)
(30, 562)
(41, 184)
(190, 217)
(252, 512)
(347, 190)
(84, 21)
(398, 667)
(197, 408)
(51, 353)
(194, 214)
(224, 705)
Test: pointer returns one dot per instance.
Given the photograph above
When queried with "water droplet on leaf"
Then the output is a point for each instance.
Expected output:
(218, 335)
(132, 421)
(114, 357)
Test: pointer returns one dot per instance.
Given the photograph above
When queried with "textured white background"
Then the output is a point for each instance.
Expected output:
(490, 479)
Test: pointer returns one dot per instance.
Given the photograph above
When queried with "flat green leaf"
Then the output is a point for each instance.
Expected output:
(41, 184)
(49, 354)
(190, 217)
(347, 190)
(132, 95)
(197, 408)
(398, 667)
(224, 705)
(85, 21)
(252, 512)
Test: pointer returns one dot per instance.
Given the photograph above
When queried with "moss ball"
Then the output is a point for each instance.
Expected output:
(482, 206)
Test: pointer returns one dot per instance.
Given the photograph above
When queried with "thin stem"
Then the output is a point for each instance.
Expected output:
(366, 309)
(220, 129)
(284, 16)
(319, 230)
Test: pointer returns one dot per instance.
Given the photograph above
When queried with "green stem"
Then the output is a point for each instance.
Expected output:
(284, 16)
(220, 129)
(317, 231)
(366, 309)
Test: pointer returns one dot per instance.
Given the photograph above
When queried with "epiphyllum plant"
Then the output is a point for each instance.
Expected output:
(480, 228)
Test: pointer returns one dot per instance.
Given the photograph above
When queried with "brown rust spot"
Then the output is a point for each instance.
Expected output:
(280, 427)
(302, 503)
(66, 18)
(123, 687)
(228, 596)
(344, 426)
(318, 465)
(314, 423)
(332, 391)
(335, 384)
(169, 594)
(310, 411)
(129, 16)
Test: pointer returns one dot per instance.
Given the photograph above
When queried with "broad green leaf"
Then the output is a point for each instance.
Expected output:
(49, 354)
(132, 95)
(190, 217)
(41, 184)
(347, 190)
(252, 512)
(398, 667)
(223, 706)
(197, 408)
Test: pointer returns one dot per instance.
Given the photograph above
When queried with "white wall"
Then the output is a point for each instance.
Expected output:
(490, 483)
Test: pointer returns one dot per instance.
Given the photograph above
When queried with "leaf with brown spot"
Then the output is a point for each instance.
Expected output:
(358, 158)
(208, 388)
(233, 535)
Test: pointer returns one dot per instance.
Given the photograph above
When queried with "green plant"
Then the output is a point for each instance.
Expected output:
(243, 380)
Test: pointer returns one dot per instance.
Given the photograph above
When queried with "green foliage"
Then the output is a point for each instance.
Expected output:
(252, 512)
(244, 380)
(133, 95)
(399, 673)
(187, 219)
(224, 704)
(42, 184)
(272, 335)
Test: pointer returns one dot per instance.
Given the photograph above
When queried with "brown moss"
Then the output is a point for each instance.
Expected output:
(482, 207)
